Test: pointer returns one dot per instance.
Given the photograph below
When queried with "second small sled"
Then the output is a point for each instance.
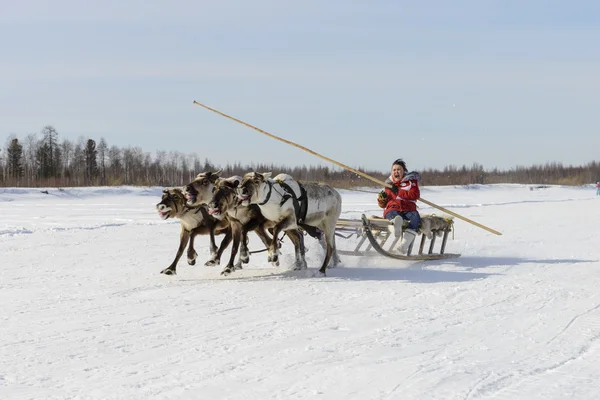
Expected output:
(375, 235)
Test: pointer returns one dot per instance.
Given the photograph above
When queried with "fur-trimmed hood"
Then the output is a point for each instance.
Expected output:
(413, 175)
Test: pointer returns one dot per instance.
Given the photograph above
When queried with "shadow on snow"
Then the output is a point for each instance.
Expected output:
(416, 272)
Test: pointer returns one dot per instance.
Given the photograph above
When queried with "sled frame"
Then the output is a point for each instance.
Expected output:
(374, 233)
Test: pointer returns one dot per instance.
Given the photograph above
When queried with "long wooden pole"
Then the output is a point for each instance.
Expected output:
(345, 167)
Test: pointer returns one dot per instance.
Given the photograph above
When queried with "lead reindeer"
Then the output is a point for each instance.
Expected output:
(194, 221)
(291, 205)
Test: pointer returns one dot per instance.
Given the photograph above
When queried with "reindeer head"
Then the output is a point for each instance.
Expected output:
(199, 191)
(224, 197)
(252, 186)
(171, 203)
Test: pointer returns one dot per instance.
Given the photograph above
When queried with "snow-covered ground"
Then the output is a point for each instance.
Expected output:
(85, 313)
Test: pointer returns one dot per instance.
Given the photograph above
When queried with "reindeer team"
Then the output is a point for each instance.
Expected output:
(255, 202)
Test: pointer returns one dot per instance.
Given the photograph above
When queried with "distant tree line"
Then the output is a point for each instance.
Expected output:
(553, 173)
(45, 160)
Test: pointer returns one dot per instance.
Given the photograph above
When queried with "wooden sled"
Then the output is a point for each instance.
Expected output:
(374, 233)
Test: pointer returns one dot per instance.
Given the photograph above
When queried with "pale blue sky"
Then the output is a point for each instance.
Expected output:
(501, 83)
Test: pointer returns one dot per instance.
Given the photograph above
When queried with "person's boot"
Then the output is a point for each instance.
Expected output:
(398, 223)
(407, 238)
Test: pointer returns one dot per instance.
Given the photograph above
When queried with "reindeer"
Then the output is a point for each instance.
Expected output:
(199, 192)
(312, 206)
(194, 221)
(242, 219)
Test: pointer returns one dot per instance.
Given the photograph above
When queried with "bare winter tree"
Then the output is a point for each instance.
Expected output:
(159, 163)
(115, 169)
(30, 145)
(196, 165)
(78, 163)
(102, 155)
(66, 148)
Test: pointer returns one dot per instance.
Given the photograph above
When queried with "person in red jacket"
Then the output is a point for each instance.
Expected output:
(400, 202)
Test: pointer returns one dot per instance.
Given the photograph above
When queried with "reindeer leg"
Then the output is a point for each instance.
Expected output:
(223, 246)
(285, 224)
(335, 258)
(263, 236)
(217, 259)
(296, 238)
(183, 241)
(244, 254)
(236, 232)
(329, 232)
(213, 244)
(191, 253)
(272, 249)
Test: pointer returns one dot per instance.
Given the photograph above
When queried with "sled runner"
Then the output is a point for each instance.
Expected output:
(376, 235)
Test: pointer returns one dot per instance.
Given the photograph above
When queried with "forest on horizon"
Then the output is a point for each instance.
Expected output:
(47, 161)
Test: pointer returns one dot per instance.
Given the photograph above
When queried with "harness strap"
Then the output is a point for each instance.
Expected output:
(195, 209)
(300, 203)
(260, 251)
(205, 215)
(268, 194)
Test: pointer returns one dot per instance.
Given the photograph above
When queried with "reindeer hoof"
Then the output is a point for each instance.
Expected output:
(315, 274)
(211, 263)
(226, 272)
(245, 259)
(191, 259)
(168, 271)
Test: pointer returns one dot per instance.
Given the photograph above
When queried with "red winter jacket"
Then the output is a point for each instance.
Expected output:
(408, 194)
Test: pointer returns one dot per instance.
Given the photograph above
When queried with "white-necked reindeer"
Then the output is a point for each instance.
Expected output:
(290, 206)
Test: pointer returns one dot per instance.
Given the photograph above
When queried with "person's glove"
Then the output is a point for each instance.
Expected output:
(382, 199)
(394, 189)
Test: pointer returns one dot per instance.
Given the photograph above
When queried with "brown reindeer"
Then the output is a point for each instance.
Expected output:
(242, 219)
(199, 191)
(194, 221)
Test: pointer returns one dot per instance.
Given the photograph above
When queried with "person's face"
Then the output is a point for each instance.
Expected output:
(397, 171)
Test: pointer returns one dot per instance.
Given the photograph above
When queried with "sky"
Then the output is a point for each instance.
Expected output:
(86, 314)
(499, 83)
